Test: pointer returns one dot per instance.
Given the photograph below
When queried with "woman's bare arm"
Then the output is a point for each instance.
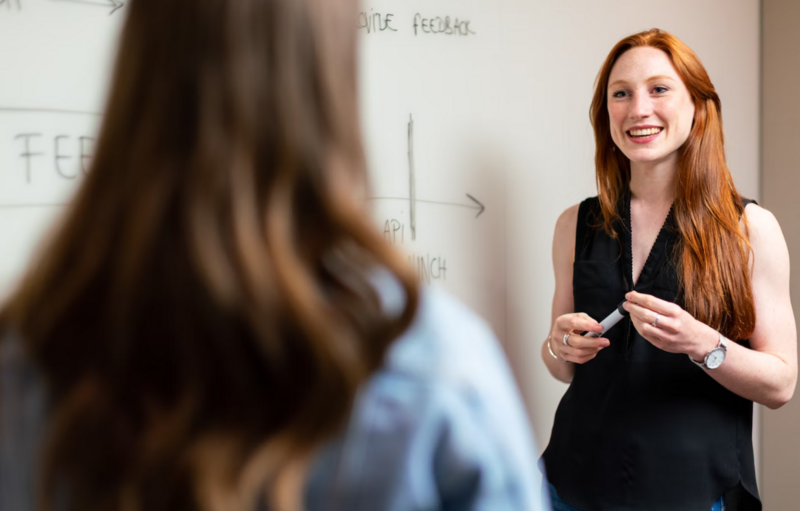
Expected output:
(563, 317)
(767, 371)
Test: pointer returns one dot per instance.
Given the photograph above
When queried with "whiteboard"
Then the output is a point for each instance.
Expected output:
(503, 115)
(434, 112)
(475, 117)
(55, 59)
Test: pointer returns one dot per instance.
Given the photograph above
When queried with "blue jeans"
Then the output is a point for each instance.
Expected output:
(560, 505)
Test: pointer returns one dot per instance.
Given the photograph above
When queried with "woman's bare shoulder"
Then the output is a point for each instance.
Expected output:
(564, 236)
(770, 253)
(567, 221)
(761, 222)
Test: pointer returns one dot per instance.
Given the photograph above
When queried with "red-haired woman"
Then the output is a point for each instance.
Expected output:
(658, 415)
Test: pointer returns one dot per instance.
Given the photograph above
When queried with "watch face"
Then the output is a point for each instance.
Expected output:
(715, 358)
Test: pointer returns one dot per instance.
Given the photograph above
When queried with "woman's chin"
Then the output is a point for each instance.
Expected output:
(647, 156)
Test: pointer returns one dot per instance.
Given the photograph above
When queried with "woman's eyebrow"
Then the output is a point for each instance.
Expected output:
(660, 78)
(650, 79)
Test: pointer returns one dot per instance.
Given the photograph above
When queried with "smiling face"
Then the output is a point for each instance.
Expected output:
(649, 108)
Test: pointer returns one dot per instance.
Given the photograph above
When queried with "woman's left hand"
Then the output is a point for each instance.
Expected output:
(668, 327)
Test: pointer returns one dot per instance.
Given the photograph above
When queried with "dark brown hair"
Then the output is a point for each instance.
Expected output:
(206, 309)
(713, 253)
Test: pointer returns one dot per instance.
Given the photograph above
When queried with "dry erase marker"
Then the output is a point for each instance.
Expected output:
(611, 320)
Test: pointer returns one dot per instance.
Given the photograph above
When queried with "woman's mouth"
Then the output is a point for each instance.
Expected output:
(644, 135)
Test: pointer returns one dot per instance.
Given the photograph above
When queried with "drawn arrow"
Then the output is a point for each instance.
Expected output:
(476, 203)
(114, 4)
(412, 188)
(481, 207)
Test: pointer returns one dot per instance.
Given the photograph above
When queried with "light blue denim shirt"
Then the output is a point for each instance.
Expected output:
(440, 427)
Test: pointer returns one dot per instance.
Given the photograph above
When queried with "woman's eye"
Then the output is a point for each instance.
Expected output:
(619, 94)
(660, 89)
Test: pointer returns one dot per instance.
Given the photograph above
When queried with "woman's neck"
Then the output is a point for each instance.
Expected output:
(654, 182)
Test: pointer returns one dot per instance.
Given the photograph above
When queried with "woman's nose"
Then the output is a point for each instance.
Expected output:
(641, 106)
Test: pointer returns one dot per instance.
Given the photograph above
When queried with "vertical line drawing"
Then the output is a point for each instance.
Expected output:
(412, 185)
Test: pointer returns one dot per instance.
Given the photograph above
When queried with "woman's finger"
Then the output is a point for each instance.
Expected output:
(653, 335)
(578, 322)
(651, 317)
(658, 305)
(577, 354)
(578, 341)
(641, 313)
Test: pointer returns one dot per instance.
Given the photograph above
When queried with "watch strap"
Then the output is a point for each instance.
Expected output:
(723, 344)
(701, 365)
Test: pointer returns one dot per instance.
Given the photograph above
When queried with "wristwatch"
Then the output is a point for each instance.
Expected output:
(715, 357)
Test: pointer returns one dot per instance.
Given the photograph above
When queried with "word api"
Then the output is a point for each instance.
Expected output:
(394, 231)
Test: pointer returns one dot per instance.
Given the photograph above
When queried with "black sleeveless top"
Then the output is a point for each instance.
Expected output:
(640, 429)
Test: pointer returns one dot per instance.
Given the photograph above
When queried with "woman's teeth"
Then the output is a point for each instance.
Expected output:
(645, 132)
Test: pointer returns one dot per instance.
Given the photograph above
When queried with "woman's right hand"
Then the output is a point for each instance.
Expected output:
(578, 349)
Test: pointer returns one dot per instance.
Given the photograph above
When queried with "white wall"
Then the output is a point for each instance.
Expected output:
(781, 180)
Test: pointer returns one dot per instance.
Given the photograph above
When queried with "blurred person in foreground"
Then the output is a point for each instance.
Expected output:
(215, 324)
(659, 411)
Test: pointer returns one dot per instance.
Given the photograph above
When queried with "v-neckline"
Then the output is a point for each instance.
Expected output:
(656, 248)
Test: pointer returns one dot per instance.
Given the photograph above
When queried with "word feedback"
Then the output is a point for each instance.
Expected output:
(375, 22)
(441, 25)
(60, 157)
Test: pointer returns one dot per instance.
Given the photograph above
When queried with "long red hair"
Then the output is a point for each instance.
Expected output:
(713, 253)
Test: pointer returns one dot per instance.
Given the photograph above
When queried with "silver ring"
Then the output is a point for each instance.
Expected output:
(566, 339)
(655, 323)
